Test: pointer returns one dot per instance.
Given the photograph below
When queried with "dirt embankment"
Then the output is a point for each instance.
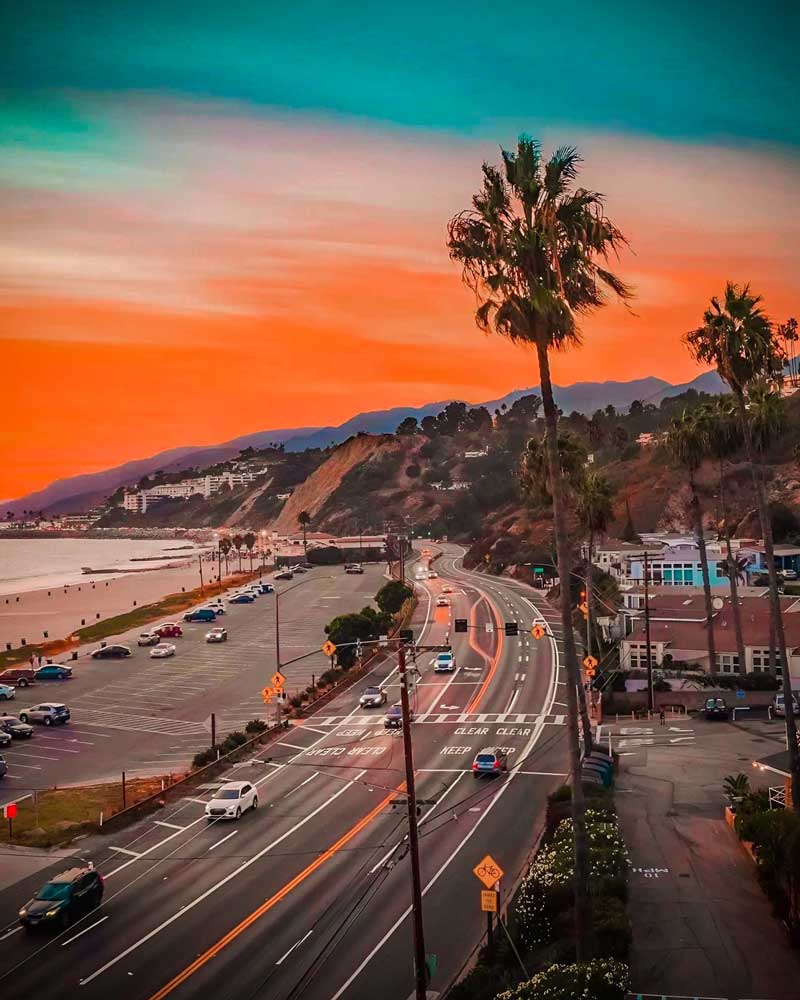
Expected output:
(312, 494)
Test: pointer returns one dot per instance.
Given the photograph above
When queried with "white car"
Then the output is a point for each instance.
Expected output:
(6, 692)
(231, 800)
(218, 609)
(442, 601)
(779, 705)
(432, 574)
(445, 663)
(162, 649)
(218, 634)
(148, 639)
(447, 589)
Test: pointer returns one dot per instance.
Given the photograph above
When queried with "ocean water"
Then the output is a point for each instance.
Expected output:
(33, 563)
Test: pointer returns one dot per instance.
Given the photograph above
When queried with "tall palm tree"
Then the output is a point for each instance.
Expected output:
(595, 508)
(687, 441)
(250, 540)
(238, 542)
(225, 547)
(304, 519)
(724, 437)
(739, 339)
(534, 249)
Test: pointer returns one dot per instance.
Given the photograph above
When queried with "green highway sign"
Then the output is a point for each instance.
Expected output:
(539, 570)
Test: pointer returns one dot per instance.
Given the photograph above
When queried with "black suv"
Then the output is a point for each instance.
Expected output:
(715, 708)
(63, 899)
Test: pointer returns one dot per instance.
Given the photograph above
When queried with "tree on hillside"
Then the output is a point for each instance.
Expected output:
(687, 442)
(629, 532)
(737, 337)
(408, 426)
(237, 541)
(304, 519)
(534, 250)
(535, 466)
(250, 540)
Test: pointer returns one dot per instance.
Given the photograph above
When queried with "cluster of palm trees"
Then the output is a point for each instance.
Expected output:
(536, 250)
(237, 543)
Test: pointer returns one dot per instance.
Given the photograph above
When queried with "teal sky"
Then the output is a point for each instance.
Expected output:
(709, 71)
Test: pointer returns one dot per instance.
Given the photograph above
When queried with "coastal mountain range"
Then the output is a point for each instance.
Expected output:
(79, 493)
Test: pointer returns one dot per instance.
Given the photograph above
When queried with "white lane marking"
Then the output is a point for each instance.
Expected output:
(33, 756)
(561, 704)
(228, 836)
(298, 787)
(31, 767)
(8, 934)
(172, 826)
(212, 889)
(514, 696)
(294, 746)
(297, 944)
(85, 929)
(124, 850)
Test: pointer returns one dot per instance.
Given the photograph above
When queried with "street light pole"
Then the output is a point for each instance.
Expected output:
(420, 969)
(650, 697)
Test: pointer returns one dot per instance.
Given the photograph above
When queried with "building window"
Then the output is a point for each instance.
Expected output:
(760, 660)
(728, 663)
(638, 654)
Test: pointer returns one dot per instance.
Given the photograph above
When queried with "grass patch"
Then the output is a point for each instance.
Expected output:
(60, 814)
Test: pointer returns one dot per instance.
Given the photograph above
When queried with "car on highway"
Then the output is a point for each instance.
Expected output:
(148, 639)
(163, 649)
(218, 634)
(447, 589)
(18, 676)
(715, 708)
(432, 574)
(15, 728)
(445, 663)
(69, 895)
(49, 713)
(242, 599)
(53, 672)
(779, 705)
(373, 697)
(442, 601)
(490, 760)
(169, 630)
(231, 800)
(7, 692)
(284, 574)
(200, 615)
(353, 568)
(394, 717)
(5, 739)
(113, 652)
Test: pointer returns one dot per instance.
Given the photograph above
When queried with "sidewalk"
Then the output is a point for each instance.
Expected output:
(701, 924)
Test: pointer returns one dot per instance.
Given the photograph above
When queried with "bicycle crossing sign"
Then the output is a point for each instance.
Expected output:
(488, 871)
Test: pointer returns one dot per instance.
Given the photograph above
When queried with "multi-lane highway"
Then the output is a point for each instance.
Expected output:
(310, 895)
(149, 716)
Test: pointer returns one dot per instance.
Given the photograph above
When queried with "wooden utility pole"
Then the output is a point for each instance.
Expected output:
(420, 969)
(650, 697)
(200, 564)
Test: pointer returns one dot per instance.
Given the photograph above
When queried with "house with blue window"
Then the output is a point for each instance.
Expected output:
(787, 560)
(678, 565)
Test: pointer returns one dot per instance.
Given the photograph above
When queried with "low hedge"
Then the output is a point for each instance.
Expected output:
(600, 979)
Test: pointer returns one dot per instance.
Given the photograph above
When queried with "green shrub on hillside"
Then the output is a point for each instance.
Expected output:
(600, 979)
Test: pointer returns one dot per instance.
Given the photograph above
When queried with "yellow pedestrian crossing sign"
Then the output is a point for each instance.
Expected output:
(328, 648)
(266, 694)
(277, 680)
(589, 661)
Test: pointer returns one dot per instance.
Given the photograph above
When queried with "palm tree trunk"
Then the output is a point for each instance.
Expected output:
(583, 903)
(586, 724)
(733, 576)
(774, 601)
(697, 516)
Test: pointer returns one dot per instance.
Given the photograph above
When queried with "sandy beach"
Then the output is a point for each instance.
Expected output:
(55, 613)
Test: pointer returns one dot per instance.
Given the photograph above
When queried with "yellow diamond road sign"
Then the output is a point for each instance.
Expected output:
(488, 871)
(328, 648)
(266, 694)
(277, 680)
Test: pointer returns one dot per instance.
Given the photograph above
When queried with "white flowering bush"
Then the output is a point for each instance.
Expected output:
(600, 979)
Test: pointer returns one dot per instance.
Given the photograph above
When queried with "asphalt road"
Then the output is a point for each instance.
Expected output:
(310, 895)
(149, 716)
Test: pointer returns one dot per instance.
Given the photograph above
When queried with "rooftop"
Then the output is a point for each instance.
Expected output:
(680, 633)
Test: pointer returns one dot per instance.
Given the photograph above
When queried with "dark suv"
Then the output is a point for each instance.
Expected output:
(62, 899)
(715, 708)
(19, 676)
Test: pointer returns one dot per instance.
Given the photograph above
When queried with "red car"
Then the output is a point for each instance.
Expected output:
(169, 630)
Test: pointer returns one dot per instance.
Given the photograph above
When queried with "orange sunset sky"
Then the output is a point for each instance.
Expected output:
(182, 268)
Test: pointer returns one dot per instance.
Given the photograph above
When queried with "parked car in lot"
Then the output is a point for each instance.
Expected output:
(162, 650)
(231, 800)
(15, 728)
(218, 634)
(299, 568)
(169, 630)
(18, 676)
(490, 760)
(284, 574)
(218, 609)
(779, 705)
(53, 672)
(49, 713)
(113, 652)
(200, 615)
(148, 639)
(253, 591)
(3, 766)
(715, 708)
(242, 599)
(373, 697)
(69, 895)
(442, 601)
(7, 692)
(394, 717)
(445, 663)
(266, 588)
(5, 739)
(353, 568)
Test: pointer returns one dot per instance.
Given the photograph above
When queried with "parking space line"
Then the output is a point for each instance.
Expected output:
(35, 756)
(32, 767)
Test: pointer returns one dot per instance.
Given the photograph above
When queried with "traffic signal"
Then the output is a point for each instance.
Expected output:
(460, 625)
(407, 634)
(512, 628)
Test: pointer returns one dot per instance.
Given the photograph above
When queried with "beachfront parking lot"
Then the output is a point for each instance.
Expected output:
(149, 716)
